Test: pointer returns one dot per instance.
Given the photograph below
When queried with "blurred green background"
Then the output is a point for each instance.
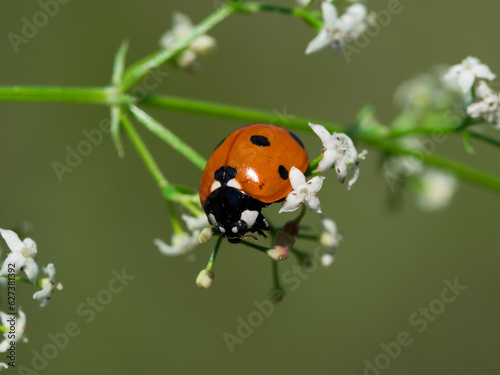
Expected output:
(106, 213)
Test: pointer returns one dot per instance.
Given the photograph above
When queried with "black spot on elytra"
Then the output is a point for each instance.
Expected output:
(296, 139)
(221, 142)
(260, 140)
(224, 174)
(283, 172)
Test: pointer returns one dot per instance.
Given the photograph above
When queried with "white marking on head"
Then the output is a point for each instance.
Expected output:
(215, 186)
(222, 230)
(234, 230)
(249, 217)
(212, 220)
(234, 184)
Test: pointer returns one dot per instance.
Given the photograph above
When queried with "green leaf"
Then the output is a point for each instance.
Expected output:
(115, 129)
(467, 143)
(119, 64)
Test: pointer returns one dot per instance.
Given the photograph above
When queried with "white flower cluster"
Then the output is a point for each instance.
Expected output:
(182, 242)
(201, 46)
(338, 150)
(432, 188)
(487, 101)
(330, 239)
(337, 31)
(22, 258)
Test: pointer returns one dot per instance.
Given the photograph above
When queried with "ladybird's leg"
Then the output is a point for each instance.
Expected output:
(260, 225)
(260, 232)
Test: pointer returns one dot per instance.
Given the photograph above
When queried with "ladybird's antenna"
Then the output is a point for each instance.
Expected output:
(250, 236)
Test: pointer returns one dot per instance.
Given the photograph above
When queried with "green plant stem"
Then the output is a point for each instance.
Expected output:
(107, 96)
(309, 17)
(58, 94)
(300, 123)
(218, 110)
(255, 246)
(144, 153)
(465, 172)
(311, 237)
(211, 261)
(277, 293)
(173, 218)
(491, 141)
(301, 214)
(166, 135)
(434, 130)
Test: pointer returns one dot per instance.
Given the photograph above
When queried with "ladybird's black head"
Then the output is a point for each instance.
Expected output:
(233, 213)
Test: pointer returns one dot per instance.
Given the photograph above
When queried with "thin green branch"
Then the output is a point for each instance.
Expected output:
(310, 17)
(255, 246)
(211, 261)
(144, 153)
(434, 130)
(166, 135)
(465, 172)
(300, 123)
(107, 96)
(491, 141)
(58, 94)
(218, 110)
(119, 64)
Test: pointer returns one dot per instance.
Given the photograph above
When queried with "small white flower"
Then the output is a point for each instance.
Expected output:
(48, 285)
(339, 150)
(426, 91)
(20, 326)
(435, 189)
(22, 255)
(465, 73)
(195, 223)
(488, 107)
(303, 3)
(303, 192)
(201, 46)
(205, 235)
(182, 243)
(330, 239)
(205, 279)
(337, 31)
(3, 366)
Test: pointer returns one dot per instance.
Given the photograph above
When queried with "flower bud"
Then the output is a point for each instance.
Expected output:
(204, 45)
(284, 240)
(327, 259)
(187, 61)
(205, 235)
(205, 279)
(328, 240)
(277, 253)
(292, 228)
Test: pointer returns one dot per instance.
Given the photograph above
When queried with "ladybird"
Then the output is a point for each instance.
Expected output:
(247, 171)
